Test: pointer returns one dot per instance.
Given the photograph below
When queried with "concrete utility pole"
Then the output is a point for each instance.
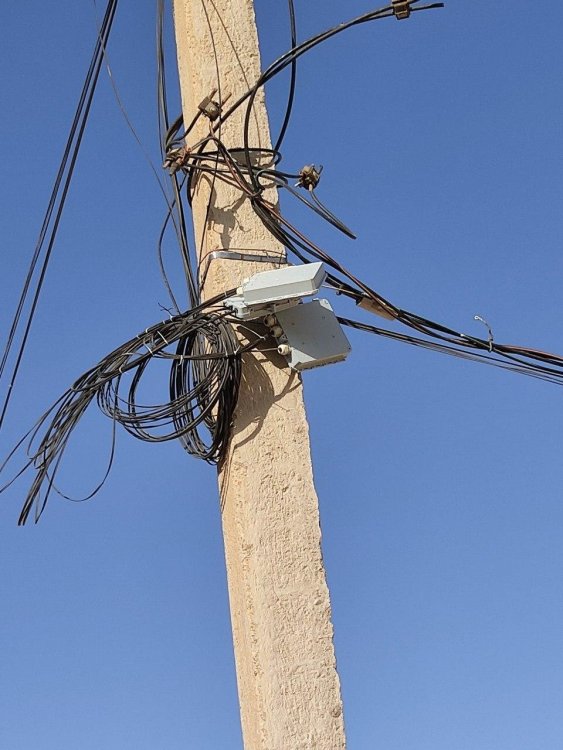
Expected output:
(288, 686)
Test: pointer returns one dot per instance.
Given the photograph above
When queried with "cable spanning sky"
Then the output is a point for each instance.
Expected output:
(439, 481)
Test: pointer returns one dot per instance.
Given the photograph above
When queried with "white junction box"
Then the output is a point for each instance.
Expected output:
(283, 284)
(269, 290)
(312, 335)
(308, 334)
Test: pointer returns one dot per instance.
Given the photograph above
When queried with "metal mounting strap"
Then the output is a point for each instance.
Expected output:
(250, 257)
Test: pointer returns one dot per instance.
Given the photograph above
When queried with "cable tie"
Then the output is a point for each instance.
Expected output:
(162, 337)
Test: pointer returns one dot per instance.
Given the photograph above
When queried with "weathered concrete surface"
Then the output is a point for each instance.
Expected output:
(287, 681)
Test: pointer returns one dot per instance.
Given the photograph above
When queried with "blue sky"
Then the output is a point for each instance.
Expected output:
(440, 481)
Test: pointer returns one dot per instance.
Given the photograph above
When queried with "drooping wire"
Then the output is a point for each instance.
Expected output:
(205, 367)
(292, 79)
(518, 365)
(205, 364)
(53, 214)
(214, 173)
(247, 176)
(170, 201)
(176, 206)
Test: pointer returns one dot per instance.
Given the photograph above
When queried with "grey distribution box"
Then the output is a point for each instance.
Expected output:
(313, 334)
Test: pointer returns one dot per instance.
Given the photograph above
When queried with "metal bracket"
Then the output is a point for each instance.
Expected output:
(211, 108)
(250, 257)
(401, 8)
(175, 159)
(309, 176)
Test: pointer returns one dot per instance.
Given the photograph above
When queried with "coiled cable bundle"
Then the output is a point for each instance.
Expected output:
(205, 370)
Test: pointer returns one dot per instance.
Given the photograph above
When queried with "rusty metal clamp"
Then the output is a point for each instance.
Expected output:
(212, 108)
(401, 8)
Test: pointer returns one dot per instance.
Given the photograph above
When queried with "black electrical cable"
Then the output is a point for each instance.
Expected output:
(205, 365)
(170, 202)
(294, 240)
(204, 354)
(290, 58)
(179, 226)
(315, 205)
(293, 54)
(514, 365)
(176, 205)
(162, 268)
(214, 174)
(292, 79)
(56, 205)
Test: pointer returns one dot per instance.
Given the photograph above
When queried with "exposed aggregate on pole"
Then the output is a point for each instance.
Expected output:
(289, 690)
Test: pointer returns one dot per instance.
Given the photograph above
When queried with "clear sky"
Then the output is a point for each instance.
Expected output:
(440, 481)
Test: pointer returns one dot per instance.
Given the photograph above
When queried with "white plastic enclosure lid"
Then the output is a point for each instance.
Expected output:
(290, 282)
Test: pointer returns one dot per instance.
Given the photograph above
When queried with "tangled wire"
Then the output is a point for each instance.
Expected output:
(205, 369)
(201, 344)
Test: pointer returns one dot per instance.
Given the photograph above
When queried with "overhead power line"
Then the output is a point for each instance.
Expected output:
(53, 214)
(200, 344)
